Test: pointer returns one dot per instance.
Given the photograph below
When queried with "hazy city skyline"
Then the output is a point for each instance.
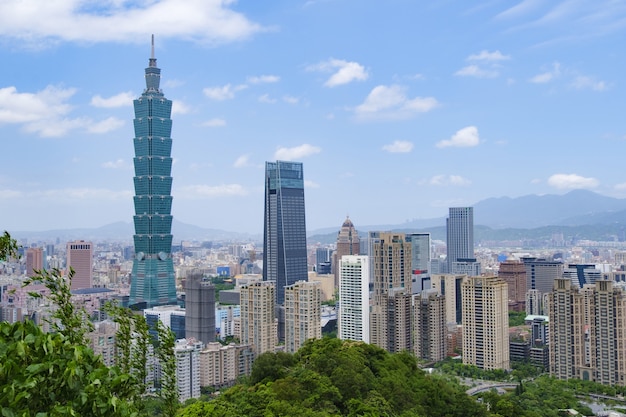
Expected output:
(431, 105)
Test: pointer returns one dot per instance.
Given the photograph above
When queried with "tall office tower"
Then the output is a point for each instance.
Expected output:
(152, 277)
(485, 322)
(348, 243)
(303, 314)
(429, 329)
(588, 331)
(420, 260)
(200, 308)
(390, 263)
(34, 260)
(460, 234)
(449, 286)
(514, 273)
(541, 273)
(284, 232)
(258, 317)
(353, 318)
(80, 257)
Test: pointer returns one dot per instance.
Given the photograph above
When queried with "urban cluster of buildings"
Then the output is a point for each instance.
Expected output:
(399, 291)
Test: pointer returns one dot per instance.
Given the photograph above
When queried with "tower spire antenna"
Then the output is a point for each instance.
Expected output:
(152, 58)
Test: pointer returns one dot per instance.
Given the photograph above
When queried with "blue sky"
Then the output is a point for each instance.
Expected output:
(398, 109)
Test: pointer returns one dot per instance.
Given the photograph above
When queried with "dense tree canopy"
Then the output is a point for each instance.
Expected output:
(331, 377)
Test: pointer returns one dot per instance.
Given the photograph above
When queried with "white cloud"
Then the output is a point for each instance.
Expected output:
(463, 138)
(582, 82)
(344, 71)
(263, 79)
(297, 152)
(265, 98)
(489, 64)
(311, 184)
(242, 161)
(477, 72)
(204, 21)
(119, 100)
(485, 55)
(448, 180)
(225, 92)
(106, 125)
(210, 191)
(620, 187)
(214, 123)
(119, 164)
(547, 76)
(519, 9)
(291, 99)
(178, 107)
(50, 102)
(572, 181)
(391, 102)
(399, 146)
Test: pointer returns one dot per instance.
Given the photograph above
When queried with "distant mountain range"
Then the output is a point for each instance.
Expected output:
(579, 213)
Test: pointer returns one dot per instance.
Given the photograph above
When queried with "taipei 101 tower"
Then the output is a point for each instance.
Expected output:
(152, 279)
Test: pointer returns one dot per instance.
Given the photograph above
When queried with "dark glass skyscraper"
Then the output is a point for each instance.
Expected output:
(152, 279)
(284, 232)
(460, 233)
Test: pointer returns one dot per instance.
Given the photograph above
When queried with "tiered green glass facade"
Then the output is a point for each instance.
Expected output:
(153, 279)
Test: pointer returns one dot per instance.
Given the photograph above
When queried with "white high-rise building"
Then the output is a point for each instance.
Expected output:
(187, 368)
(353, 319)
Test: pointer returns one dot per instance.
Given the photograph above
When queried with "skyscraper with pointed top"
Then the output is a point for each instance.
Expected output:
(152, 279)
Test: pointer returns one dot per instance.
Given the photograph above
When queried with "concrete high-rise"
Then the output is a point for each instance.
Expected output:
(152, 277)
(258, 316)
(80, 258)
(284, 231)
(429, 326)
(460, 235)
(34, 260)
(449, 285)
(541, 273)
(348, 243)
(485, 322)
(200, 308)
(588, 331)
(303, 314)
(390, 317)
(353, 318)
(514, 273)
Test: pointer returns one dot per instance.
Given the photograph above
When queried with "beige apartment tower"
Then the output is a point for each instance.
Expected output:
(80, 258)
(258, 316)
(390, 316)
(429, 326)
(588, 331)
(303, 314)
(485, 322)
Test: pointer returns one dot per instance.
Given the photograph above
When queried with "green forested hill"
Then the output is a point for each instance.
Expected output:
(330, 377)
